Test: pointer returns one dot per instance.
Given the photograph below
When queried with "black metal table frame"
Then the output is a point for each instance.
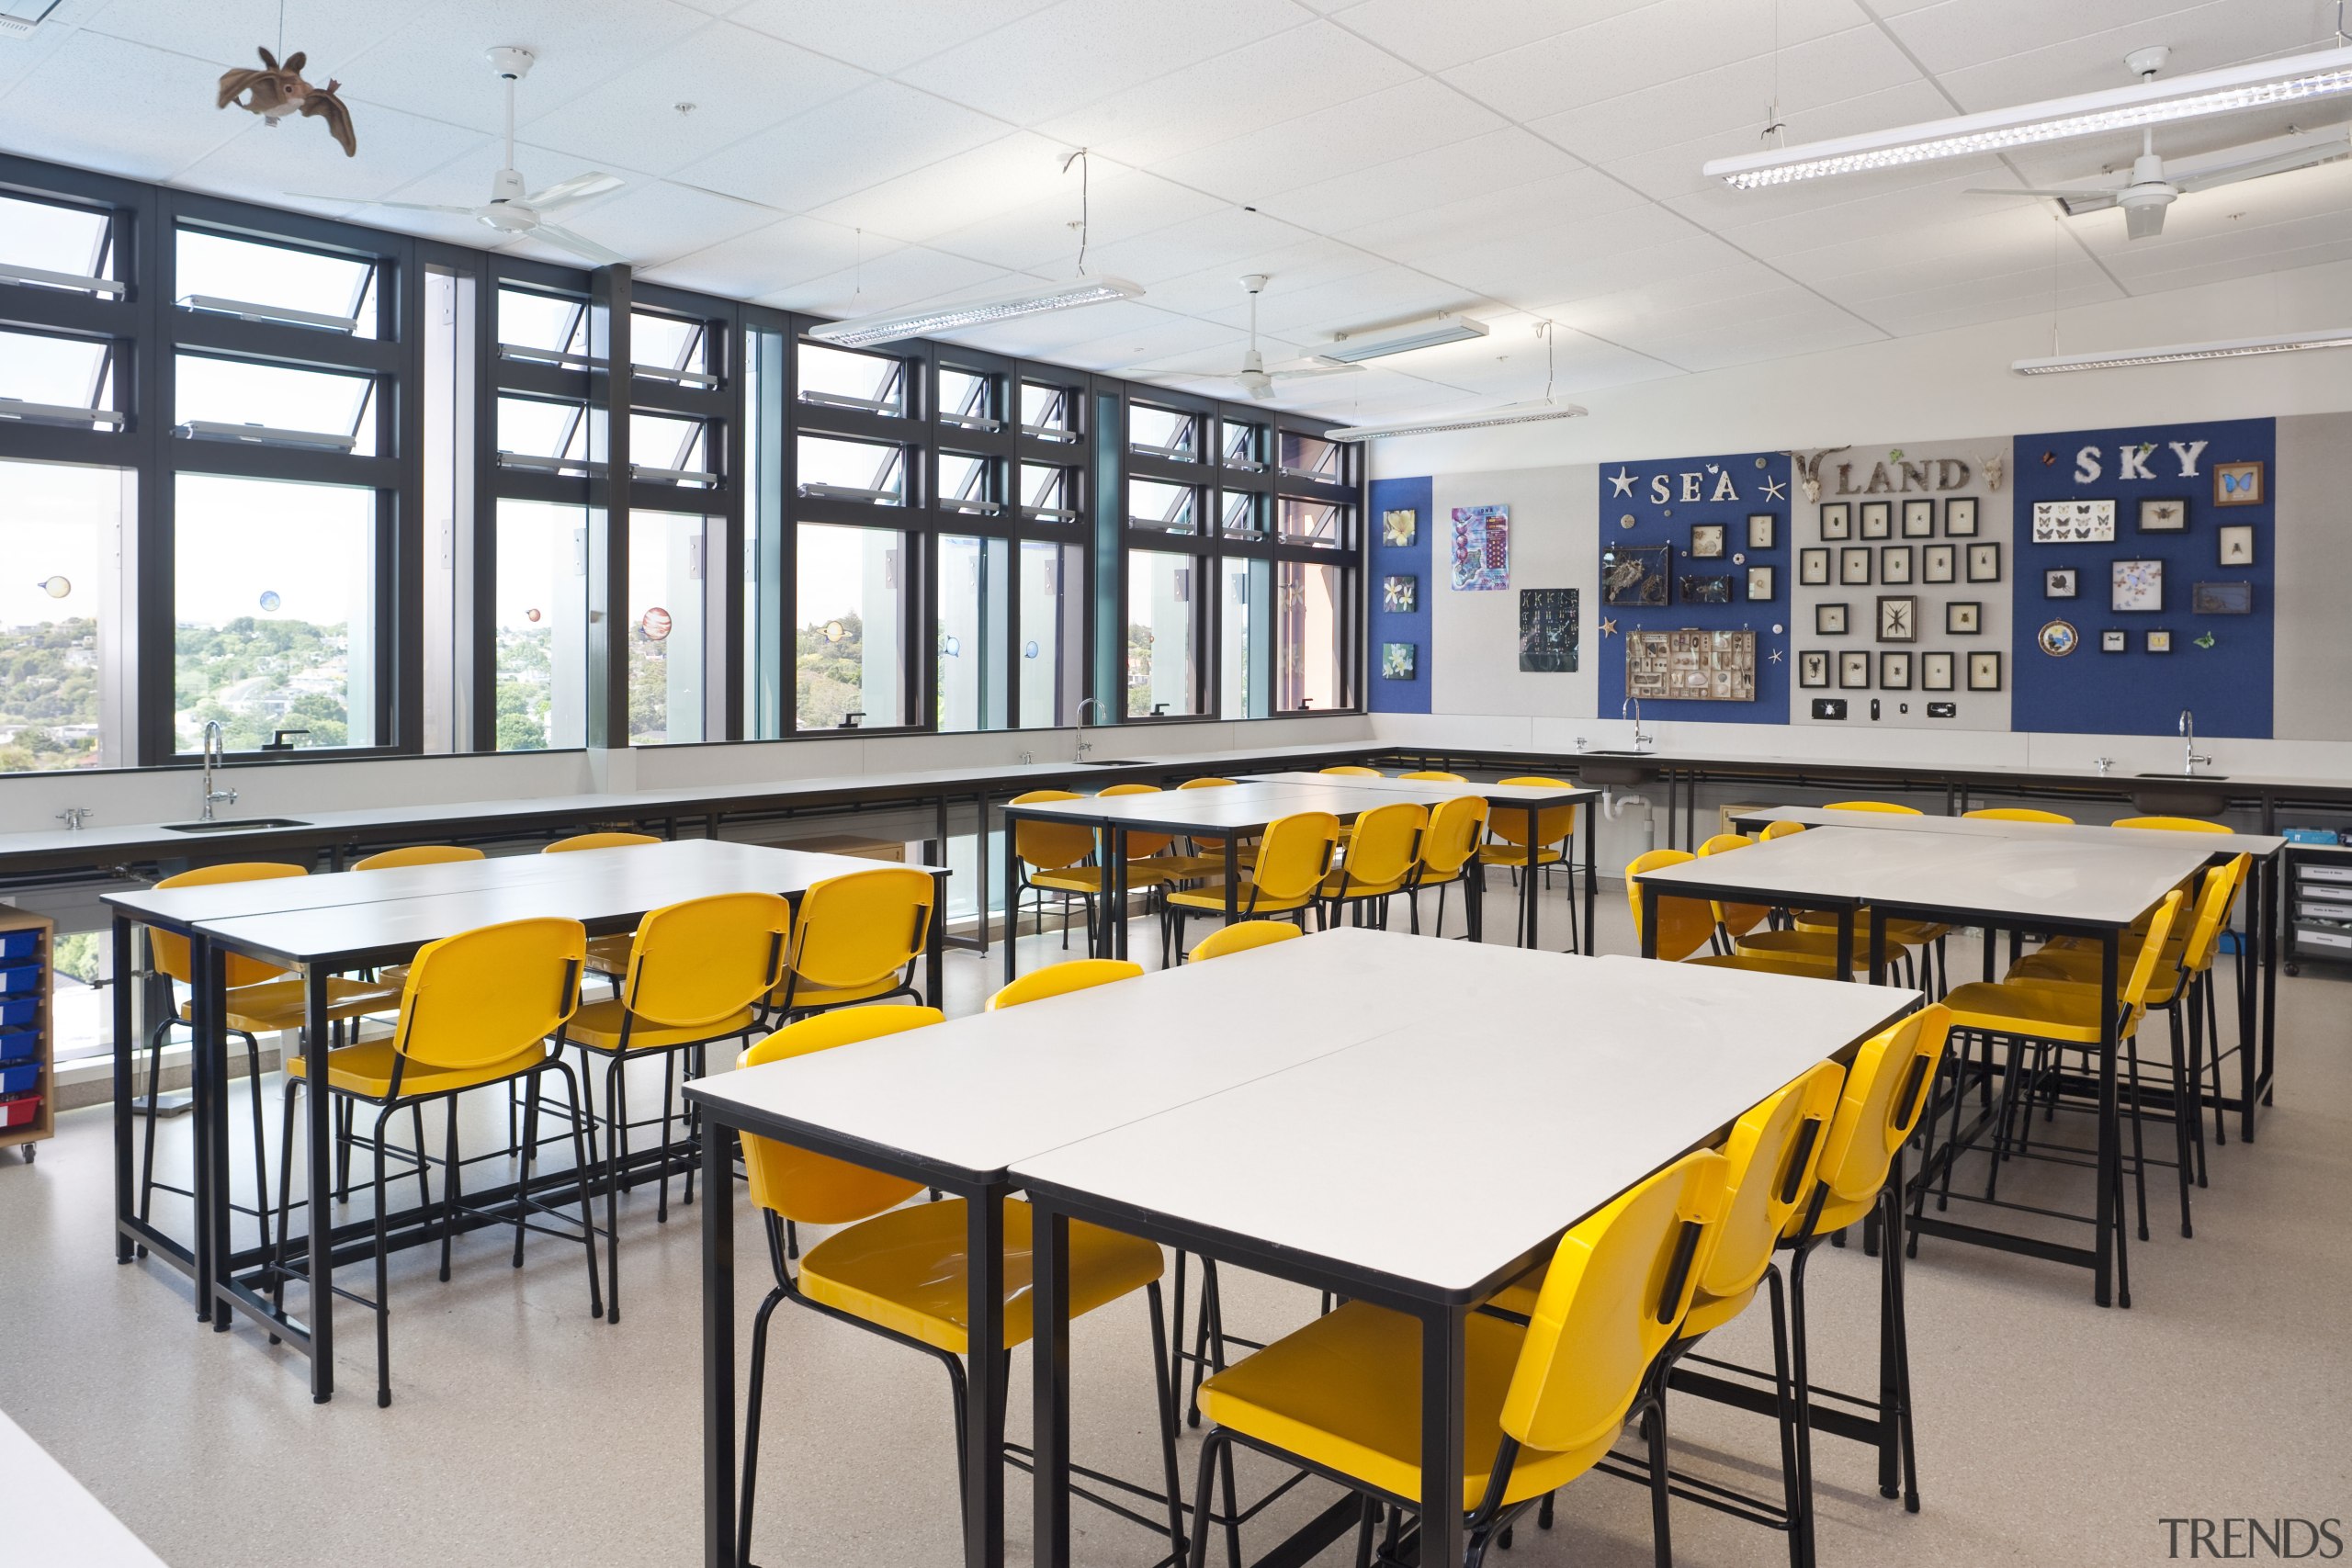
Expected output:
(225, 1278)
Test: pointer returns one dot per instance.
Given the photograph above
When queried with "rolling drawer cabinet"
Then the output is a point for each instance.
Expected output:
(27, 1049)
(2319, 904)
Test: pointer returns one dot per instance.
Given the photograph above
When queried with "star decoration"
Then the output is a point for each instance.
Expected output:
(1622, 480)
(1775, 491)
(1608, 626)
(1776, 656)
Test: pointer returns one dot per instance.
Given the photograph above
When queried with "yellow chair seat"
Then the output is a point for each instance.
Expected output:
(274, 1005)
(1802, 966)
(1089, 878)
(609, 954)
(2079, 966)
(1899, 932)
(1186, 867)
(1819, 948)
(365, 1070)
(2069, 1013)
(1212, 899)
(805, 994)
(905, 1271)
(1338, 886)
(1345, 1392)
(1497, 852)
(597, 1025)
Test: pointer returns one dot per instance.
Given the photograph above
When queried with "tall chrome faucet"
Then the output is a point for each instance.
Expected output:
(1083, 704)
(212, 749)
(1640, 739)
(2189, 757)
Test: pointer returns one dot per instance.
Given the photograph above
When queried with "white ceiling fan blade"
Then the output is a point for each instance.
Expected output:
(578, 245)
(402, 206)
(2285, 163)
(578, 188)
(1304, 372)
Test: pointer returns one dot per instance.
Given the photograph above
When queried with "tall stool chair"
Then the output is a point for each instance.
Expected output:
(1205, 857)
(1507, 845)
(1054, 858)
(607, 955)
(417, 855)
(1450, 851)
(1241, 936)
(1382, 855)
(1287, 879)
(857, 939)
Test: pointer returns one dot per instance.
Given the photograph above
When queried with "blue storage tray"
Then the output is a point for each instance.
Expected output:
(20, 1077)
(18, 1009)
(17, 979)
(17, 1043)
(19, 944)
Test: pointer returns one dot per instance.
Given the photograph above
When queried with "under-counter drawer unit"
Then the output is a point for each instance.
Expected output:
(27, 1030)
(2318, 903)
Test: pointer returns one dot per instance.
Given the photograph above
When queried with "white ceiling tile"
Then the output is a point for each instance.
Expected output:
(1017, 170)
(880, 35)
(1053, 61)
(1359, 134)
(329, 34)
(1124, 204)
(2155, 275)
(2201, 38)
(1389, 294)
(1227, 238)
(159, 116)
(20, 58)
(737, 81)
(906, 275)
(1898, 301)
(656, 221)
(1437, 37)
(436, 65)
(1952, 35)
(1432, 178)
(298, 156)
(1575, 199)
(878, 132)
(756, 263)
(1216, 292)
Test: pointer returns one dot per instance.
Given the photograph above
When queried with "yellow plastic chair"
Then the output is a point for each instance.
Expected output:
(1353, 772)
(1449, 850)
(1507, 844)
(417, 855)
(857, 939)
(611, 840)
(1054, 859)
(1145, 851)
(1544, 1400)
(1732, 920)
(1059, 979)
(261, 999)
(1433, 776)
(607, 955)
(479, 1009)
(902, 1273)
(1287, 879)
(1886, 805)
(698, 972)
(1686, 924)
(1382, 855)
(1205, 857)
(2019, 814)
(1241, 936)
(1779, 831)
(2172, 824)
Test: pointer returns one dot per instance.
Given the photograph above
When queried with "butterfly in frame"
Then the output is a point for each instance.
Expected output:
(2237, 484)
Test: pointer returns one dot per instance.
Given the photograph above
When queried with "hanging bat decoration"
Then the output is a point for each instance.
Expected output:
(1809, 469)
(277, 91)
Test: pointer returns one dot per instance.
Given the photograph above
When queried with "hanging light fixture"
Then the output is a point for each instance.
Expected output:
(2181, 353)
(1531, 412)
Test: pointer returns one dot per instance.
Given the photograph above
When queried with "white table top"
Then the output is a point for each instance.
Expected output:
(1415, 789)
(48, 1520)
(2093, 884)
(2257, 844)
(1241, 806)
(1449, 1146)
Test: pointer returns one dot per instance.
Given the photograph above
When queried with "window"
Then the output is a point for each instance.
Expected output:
(666, 348)
(48, 245)
(56, 380)
(1313, 522)
(973, 588)
(668, 629)
(1163, 432)
(1243, 512)
(275, 613)
(1311, 457)
(60, 533)
(1245, 445)
(542, 326)
(671, 450)
(1052, 633)
(966, 484)
(273, 405)
(1151, 504)
(850, 656)
(1048, 414)
(1310, 628)
(968, 398)
(866, 471)
(539, 631)
(836, 377)
(217, 275)
(1243, 613)
(550, 432)
(1163, 664)
(1048, 494)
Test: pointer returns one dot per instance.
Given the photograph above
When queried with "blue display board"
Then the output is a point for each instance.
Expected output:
(2136, 691)
(1665, 498)
(1409, 627)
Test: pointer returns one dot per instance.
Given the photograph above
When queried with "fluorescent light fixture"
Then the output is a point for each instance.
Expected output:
(1426, 331)
(2322, 74)
(1435, 425)
(864, 332)
(2181, 353)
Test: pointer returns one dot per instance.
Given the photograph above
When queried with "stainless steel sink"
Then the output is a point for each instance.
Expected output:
(2175, 794)
(241, 825)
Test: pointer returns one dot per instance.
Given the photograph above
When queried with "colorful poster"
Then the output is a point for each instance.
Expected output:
(1481, 548)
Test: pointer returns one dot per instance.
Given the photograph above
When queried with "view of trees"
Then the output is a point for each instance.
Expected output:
(257, 676)
(525, 692)
(832, 672)
(49, 694)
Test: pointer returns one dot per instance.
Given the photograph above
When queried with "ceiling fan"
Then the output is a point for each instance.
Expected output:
(512, 208)
(1253, 377)
(2153, 183)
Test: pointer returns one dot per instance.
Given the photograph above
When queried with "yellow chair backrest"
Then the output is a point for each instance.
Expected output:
(1207, 846)
(1779, 831)
(1885, 1090)
(417, 855)
(2172, 824)
(1684, 924)
(2018, 814)
(483, 996)
(1886, 805)
(859, 928)
(599, 841)
(1455, 827)
(1051, 846)
(705, 959)
(1140, 845)
(814, 1189)
(1433, 776)
(1355, 772)
(1736, 918)
(2144, 966)
(1385, 846)
(169, 950)
(1059, 979)
(1240, 936)
(2212, 913)
(1552, 826)
(1618, 1286)
(1775, 1153)
(1296, 855)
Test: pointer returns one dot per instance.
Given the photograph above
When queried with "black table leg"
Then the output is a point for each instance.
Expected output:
(322, 1189)
(2273, 893)
(208, 1120)
(717, 1346)
(984, 1381)
(1527, 903)
(1878, 946)
(934, 943)
(1845, 942)
(126, 1045)
(2110, 1161)
(1442, 1395)
(1649, 921)
(1049, 1353)
(1012, 883)
(1591, 858)
(1114, 877)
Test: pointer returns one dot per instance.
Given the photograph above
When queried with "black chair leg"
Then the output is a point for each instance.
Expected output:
(616, 1151)
(2138, 1155)
(1163, 1383)
(383, 1270)
(752, 1424)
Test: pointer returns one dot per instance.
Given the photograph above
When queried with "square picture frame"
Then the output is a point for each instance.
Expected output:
(1813, 670)
(1763, 528)
(1837, 520)
(1706, 541)
(1895, 564)
(2234, 544)
(1898, 617)
(2239, 484)
(1960, 517)
(2073, 522)
(1760, 583)
(1854, 670)
(2135, 586)
(1636, 575)
(1399, 525)
(1399, 660)
(1877, 521)
(1963, 617)
(1985, 670)
(1939, 563)
(2059, 582)
(2221, 599)
(1813, 566)
(2163, 514)
(2159, 642)
(1936, 671)
(2113, 641)
(1400, 595)
(1854, 566)
(1830, 619)
(1919, 518)
(1695, 589)
(1895, 671)
(1984, 561)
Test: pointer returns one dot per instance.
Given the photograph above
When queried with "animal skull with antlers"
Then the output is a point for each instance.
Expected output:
(1994, 468)
(1809, 469)
(279, 90)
